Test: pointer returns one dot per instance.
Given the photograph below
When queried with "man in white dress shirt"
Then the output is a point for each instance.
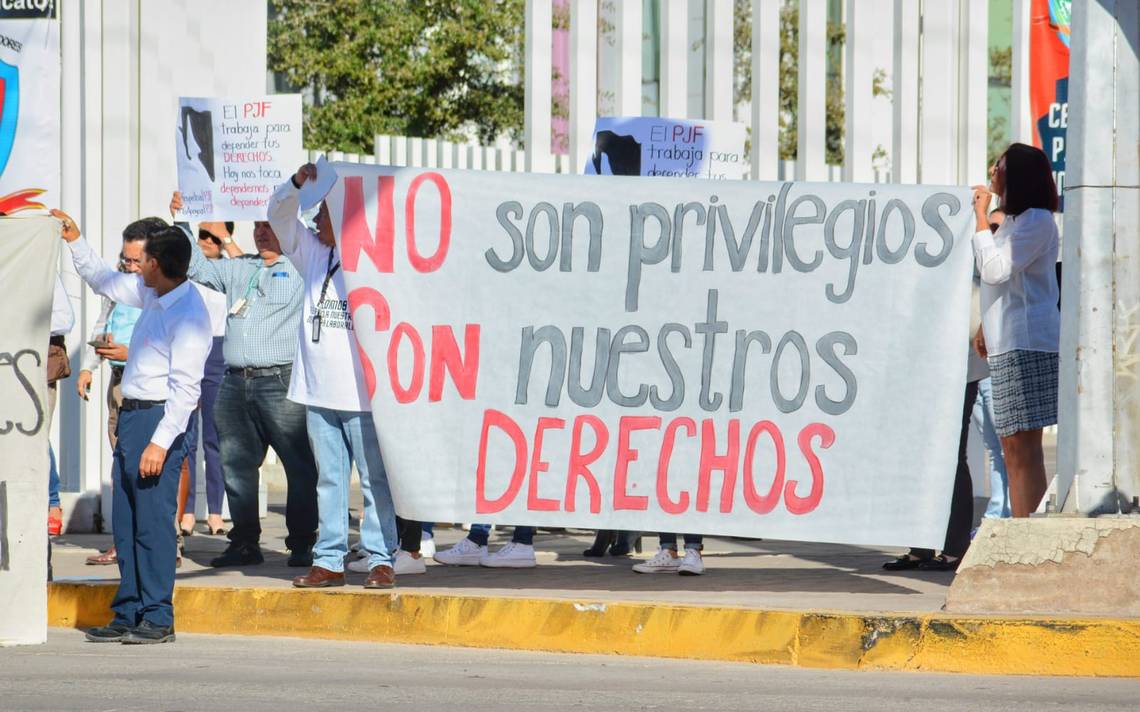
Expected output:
(161, 386)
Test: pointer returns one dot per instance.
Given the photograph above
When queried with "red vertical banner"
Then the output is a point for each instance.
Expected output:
(1049, 79)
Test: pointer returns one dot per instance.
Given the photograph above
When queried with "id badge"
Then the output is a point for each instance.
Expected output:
(240, 308)
(316, 328)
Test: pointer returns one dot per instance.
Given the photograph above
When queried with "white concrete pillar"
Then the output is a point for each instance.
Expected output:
(904, 93)
(938, 152)
(583, 80)
(718, 60)
(811, 148)
(627, 39)
(1099, 428)
(859, 75)
(674, 59)
(537, 109)
(765, 90)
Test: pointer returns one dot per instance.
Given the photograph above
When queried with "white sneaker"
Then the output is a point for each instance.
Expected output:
(665, 561)
(693, 564)
(404, 564)
(360, 565)
(465, 553)
(427, 546)
(512, 556)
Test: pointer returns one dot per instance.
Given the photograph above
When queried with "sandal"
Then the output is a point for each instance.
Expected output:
(103, 558)
(906, 562)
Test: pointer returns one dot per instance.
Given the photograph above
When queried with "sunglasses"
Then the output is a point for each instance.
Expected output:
(206, 235)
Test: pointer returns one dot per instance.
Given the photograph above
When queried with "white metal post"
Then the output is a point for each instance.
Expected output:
(765, 90)
(674, 60)
(718, 60)
(904, 93)
(938, 151)
(537, 109)
(627, 36)
(583, 80)
(811, 148)
(859, 78)
(974, 67)
(1021, 121)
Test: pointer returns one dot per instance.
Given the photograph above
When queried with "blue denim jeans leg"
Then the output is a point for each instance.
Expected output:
(340, 438)
(53, 479)
(983, 418)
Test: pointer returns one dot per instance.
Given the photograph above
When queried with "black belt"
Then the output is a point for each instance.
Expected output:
(57, 340)
(256, 372)
(136, 404)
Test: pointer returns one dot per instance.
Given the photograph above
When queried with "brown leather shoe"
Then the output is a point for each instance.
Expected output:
(381, 576)
(319, 578)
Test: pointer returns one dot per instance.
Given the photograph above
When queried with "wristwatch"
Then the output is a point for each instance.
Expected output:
(227, 241)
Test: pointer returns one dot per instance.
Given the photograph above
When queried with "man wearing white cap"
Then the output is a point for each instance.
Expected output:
(338, 414)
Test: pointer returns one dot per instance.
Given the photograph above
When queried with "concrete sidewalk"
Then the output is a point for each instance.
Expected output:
(771, 575)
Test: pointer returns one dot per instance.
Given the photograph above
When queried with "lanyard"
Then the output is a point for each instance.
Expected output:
(328, 276)
(316, 338)
(253, 279)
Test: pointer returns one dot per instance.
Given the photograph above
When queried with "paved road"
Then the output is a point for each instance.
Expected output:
(248, 674)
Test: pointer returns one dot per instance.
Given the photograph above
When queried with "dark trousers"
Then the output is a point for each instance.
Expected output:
(253, 414)
(668, 540)
(215, 482)
(962, 504)
(411, 535)
(143, 517)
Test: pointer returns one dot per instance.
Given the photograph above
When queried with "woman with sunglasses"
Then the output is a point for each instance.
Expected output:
(1021, 324)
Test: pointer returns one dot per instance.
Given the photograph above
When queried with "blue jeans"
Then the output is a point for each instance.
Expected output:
(340, 438)
(142, 515)
(53, 480)
(481, 532)
(669, 541)
(215, 482)
(983, 417)
(253, 414)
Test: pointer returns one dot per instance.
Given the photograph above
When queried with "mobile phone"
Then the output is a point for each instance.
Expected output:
(98, 343)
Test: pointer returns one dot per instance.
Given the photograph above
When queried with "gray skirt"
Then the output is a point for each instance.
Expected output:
(1024, 390)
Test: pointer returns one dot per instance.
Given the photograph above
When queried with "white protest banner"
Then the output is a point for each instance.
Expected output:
(233, 152)
(29, 255)
(29, 114)
(753, 359)
(680, 148)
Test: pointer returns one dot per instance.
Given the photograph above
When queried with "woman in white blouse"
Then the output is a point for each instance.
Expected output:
(1020, 321)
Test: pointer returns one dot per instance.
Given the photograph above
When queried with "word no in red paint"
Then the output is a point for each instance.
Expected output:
(445, 354)
(737, 461)
(380, 247)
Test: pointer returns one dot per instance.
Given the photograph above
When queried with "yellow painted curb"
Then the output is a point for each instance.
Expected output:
(817, 639)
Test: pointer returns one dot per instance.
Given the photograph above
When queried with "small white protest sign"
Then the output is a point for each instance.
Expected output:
(233, 152)
(678, 148)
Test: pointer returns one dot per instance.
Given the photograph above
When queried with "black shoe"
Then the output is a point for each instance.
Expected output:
(147, 633)
(940, 563)
(906, 562)
(112, 633)
(239, 555)
(301, 558)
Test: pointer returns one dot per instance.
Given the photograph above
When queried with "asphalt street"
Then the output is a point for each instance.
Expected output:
(232, 674)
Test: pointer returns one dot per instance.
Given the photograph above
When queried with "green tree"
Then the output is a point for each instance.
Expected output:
(410, 67)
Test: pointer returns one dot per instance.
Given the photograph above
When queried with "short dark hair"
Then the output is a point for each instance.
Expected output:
(1028, 180)
(230, 228)
(170, 248)
(142, 229)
